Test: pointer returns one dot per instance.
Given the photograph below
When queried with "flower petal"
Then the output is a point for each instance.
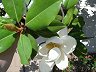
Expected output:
(62, 32)
(69, 44)
(45, 66)
(54, 54)
(41, 39)
(62, 62)
(54, 40)
(43, 51)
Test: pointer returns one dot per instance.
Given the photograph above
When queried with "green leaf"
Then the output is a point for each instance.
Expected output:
(34, 46)
(33, 42)
(24, 49)
(14, 8)
(6, 20)
(55, 28)
(80, 50)
(65, 3)
(46, 33)
(68, 17)
(76, 11)
(4, 33)
(42, 13)
(59, 17)
(71, 3)
(6, 40)
(56, 23)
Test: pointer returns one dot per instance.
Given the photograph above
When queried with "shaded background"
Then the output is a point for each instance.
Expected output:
(88, 12)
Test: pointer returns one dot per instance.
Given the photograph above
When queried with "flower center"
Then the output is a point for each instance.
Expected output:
(52, 45)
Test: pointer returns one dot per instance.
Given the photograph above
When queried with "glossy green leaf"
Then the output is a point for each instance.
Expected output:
(24, 49)
(4, 33)
(68, 17)
(55, 28)
(6, 40)
(14, 8)
(71, 3)
(65, 3)
(34, 46)
(76, 11)
(42, 13)
(6, 20)
(33, 42)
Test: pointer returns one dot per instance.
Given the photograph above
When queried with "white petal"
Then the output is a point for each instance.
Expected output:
(62, 62)
(69, 44)
(54, 40)
(43, 51)
(41, 40)
(54, 54)
(62, 32)
(45, 66)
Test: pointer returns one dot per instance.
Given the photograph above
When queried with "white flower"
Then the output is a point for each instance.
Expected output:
(55, 51)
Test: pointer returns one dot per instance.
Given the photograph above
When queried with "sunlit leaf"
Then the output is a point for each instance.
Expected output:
(34, 46)
(24, 49)
(6, 39)
(14, 8)
(71, 3)
(69, 16)
(42, 13)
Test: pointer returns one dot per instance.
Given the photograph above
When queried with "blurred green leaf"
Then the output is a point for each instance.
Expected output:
(69, 16)
(46, 33)
(80, 50)
(76, 11)
(14, 8)
(6, 20)
(4, 33)
(24, 49)
(56, 23)
(34, 46)
(58, 17)
(33, 42)
(65, 3)
(6, 39)
(42, 13)
(77, 25)
(71, 3)
(55, 28)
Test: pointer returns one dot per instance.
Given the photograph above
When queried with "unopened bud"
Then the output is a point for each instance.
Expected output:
(10, 27)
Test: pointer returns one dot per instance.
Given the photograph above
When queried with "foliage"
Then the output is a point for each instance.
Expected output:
(43, 18)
